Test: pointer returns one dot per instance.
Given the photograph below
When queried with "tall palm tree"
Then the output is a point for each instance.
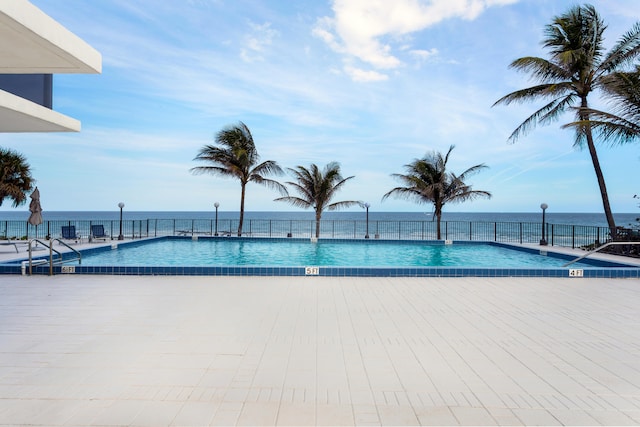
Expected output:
(428, 181)
(577, 66)
(622, 123)
(316, 188)
(236, 156)
(15, 177)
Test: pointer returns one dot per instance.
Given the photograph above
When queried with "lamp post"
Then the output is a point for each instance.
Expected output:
(217, 205)
(120, 236)
(367, 206)
(543, 241)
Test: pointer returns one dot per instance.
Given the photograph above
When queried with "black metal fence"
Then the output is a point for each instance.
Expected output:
(574, 236)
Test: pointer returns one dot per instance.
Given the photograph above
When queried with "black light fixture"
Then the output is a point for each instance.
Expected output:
(367, 206)
(120, 236)
(217, 205)
(543, 241)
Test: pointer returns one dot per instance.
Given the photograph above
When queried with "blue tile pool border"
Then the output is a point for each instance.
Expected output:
(600, 269)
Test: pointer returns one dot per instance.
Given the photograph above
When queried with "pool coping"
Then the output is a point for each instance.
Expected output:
(619, 267)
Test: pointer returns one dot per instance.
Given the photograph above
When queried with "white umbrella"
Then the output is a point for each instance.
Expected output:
(36, 210)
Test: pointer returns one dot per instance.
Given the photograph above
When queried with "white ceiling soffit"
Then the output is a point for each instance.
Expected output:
(19, 115)
(31, 42)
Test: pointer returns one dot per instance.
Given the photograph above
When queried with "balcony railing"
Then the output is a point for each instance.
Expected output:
(574, 236)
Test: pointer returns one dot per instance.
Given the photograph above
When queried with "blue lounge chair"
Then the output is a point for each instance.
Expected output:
(69, 233)
(97, 233)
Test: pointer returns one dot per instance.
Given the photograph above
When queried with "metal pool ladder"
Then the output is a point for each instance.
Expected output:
(51, 261)
(580, 258)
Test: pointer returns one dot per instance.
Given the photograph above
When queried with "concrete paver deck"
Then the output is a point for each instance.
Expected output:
(109, 350)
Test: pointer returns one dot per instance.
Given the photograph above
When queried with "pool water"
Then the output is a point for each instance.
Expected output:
(258, 252)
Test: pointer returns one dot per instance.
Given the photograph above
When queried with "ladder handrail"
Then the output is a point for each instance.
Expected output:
(69, 247)
(49, 245)
(580, 258)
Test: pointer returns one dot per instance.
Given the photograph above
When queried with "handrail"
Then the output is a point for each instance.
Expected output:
(68, 247)
(580, 258)
(45, 244)
(49, 245)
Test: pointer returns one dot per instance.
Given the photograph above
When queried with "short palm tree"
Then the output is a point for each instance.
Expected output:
(15, 177)
(236, 156)
(427, 181)
(577, 67)
(316, 188)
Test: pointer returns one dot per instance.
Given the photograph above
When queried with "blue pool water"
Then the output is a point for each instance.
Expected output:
(299, 257)
(268, 252)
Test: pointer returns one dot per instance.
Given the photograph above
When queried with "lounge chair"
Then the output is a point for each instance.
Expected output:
(69, 233)
(97, 233)
(14, 243)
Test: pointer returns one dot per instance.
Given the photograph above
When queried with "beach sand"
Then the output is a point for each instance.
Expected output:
(113, 350)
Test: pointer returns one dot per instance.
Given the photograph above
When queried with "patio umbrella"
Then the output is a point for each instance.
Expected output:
(36, 210)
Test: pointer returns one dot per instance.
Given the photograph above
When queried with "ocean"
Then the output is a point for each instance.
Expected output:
(587, 219)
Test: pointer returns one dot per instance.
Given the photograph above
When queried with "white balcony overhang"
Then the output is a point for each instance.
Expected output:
(20, 115)
(31, 42)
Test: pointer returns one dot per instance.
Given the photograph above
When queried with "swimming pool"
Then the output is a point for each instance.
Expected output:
(331, 253)
(301, 257)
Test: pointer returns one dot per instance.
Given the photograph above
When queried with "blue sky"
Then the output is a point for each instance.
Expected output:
(372, 84)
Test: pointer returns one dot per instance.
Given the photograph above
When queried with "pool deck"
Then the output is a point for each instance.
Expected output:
(158, 351)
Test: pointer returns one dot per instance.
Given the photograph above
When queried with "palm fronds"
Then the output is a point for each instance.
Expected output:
(427, 181)
(235, 156)
(316, 188)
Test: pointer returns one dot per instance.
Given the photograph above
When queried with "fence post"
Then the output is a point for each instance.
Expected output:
(470, 230)
(573, 237)
(495, 231)
(520, 233)
(446, 230)
(552, 233)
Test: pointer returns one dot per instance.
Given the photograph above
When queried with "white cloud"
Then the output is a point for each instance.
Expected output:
(366, 29)
(359, 75)
(256, 41)
(422, 55)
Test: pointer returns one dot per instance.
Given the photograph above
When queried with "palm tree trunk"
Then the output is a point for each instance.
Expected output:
(437, 211)
(318, 216)
(603, 187)
(243, 185)
(598, 170)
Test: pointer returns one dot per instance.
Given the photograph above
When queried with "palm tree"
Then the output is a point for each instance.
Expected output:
(15, 177)
(622, 123)
(427, 181)
(577, 66)
(236, 156)
(317, 188)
